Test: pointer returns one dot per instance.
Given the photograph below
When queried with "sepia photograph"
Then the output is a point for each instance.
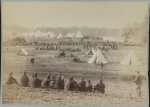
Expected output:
(74, 52)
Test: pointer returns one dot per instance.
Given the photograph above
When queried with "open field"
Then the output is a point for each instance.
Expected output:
(116, 77)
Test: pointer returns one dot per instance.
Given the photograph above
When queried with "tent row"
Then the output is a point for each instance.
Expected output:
(52, 35)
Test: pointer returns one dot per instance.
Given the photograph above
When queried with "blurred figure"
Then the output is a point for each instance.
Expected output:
(82, 85)
(72, 85)
(46, 82)
(58, 79)
(32, 61)
(89, 86)
(36, 82)
(138, 82)
(11, 79)
(61, 83)
(53, 82)
(24, 80)
(30, 80)
(100, 87)
(62, 54)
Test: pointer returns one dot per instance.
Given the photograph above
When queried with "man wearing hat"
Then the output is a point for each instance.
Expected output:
(138, 82)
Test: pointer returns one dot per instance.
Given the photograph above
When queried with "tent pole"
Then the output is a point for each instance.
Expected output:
(26, 63)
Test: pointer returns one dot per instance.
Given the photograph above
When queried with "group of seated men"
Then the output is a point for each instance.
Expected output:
(57, 83)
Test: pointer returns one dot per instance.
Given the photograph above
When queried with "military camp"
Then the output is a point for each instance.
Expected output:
(74, 53)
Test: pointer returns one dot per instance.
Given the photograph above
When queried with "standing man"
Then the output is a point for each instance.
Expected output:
(138, 82)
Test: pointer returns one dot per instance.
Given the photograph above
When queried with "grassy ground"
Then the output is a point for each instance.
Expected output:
(115, 77)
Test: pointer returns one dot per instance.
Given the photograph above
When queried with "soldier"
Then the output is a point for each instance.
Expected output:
(82, 85)
(36, 82)
(89, 86)
(138, 82)
(72, 85)
(53, 82)
(11, 79)
(100, 87)
(61, 83)
(24, 80)
(46, 82)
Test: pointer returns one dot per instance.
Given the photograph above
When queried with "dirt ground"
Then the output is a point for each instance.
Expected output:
(118, 86)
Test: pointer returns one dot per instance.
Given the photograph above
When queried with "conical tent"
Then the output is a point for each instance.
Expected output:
(60, 36)
(24, 51)
(97, 58)
(69, 35)
(37, 33)
(130, 59)
(91, 52)
(79, 35)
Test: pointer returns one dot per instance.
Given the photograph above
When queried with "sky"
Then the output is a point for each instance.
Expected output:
(68, 14)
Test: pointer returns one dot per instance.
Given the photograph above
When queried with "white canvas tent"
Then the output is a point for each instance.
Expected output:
(27, 52)
(91, 52)
(69, 35)
(50, 34)
(37, 33)
(79, 35)
(59, 36)
(97, 58)
(131, 59)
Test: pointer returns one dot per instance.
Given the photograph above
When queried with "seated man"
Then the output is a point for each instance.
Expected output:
(60, 83)
(89, 86)
(53, 82)
(36, 82)
(72, 85)
(100, 87)
(11, 80)
(24, 80)
(46, 82)
(82, 85)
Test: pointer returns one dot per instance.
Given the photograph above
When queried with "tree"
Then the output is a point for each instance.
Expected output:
(19, 41)
(127, 33)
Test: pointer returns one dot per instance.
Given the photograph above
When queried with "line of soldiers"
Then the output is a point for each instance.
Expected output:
(57, 83)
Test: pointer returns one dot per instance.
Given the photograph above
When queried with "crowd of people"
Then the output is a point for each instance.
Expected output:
(53, 82)
(66, 45)
(57, 83)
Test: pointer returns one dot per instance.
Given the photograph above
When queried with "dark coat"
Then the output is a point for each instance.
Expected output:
(72, 85)
(24, 80)
(100, 87)
(82, 86)
(36, 83)
(11, 80)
